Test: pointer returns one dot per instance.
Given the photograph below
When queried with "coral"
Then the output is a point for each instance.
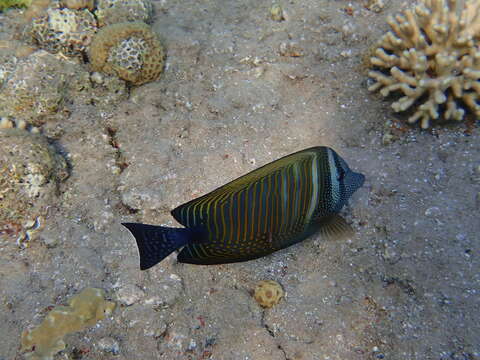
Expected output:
(105, 90)
(268, 293)
(64, 30)
(432, 57)
(83, 310)
(129, 50)
(38, 87)
(6, 4)
(110, 12)
(30, 171)
(8, 63)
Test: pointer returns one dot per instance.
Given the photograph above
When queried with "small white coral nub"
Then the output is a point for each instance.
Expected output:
(432, 56)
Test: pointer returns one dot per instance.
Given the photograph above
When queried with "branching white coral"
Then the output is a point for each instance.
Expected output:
(432, 56)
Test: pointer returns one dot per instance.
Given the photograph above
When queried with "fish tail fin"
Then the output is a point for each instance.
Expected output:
(155, 243)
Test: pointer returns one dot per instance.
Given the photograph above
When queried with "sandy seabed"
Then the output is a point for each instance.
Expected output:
(240, 90)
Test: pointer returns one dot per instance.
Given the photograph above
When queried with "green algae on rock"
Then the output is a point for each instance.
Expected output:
(84, 310)
(30, 171)
(7, 4)
(130, 50)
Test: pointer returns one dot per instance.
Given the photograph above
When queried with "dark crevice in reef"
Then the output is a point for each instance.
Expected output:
(283, 351)
(272, 334)
(119, 157)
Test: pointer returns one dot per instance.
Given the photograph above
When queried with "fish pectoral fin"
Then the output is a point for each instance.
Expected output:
(336, 228)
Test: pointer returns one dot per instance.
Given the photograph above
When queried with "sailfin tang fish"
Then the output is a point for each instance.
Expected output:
(268, 209)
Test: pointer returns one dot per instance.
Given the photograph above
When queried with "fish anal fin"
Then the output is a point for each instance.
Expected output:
(335, 228)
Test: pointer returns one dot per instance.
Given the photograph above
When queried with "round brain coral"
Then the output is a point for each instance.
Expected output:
(129, 50)
(268, 293)
(432, 57)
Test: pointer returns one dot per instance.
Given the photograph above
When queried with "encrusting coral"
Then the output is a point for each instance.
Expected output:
(432, 56)
(268, 293)
(30, 171)
(37, 87)
(129, 50)
(67, 30)
(84, 310)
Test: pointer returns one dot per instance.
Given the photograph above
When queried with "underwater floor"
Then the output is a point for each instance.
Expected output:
(238, 91)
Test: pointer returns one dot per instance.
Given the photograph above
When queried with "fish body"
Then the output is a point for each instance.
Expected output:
(268, 209)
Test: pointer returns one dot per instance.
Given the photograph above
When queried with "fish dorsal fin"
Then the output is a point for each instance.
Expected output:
(218, 195)
(335, 228)
(266, 170)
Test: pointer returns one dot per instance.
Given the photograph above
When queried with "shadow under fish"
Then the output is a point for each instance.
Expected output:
(268, 209)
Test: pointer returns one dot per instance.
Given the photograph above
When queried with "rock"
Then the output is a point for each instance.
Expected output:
(144, 319)
(30, 171)
(130, 294)
(109, 345)
(166, 292)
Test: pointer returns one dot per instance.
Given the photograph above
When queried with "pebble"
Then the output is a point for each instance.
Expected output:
(144, 319)
(142, 198)
(97, 78)
(433, 211)
(476, 174)
(276, 12)
(291, 49)
(387, 138)
(130, 294)
(50, 241)
(5, 123)
(178, 340)
(166, 293)
(375, 5)
(192, 345)
(109, 344)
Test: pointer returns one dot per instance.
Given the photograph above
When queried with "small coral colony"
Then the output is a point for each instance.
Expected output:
(431, 59)
(428, 64)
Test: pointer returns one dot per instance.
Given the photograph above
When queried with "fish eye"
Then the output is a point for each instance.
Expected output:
(341, 174)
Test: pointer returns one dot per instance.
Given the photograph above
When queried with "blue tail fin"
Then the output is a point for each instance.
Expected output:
(155, 243)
